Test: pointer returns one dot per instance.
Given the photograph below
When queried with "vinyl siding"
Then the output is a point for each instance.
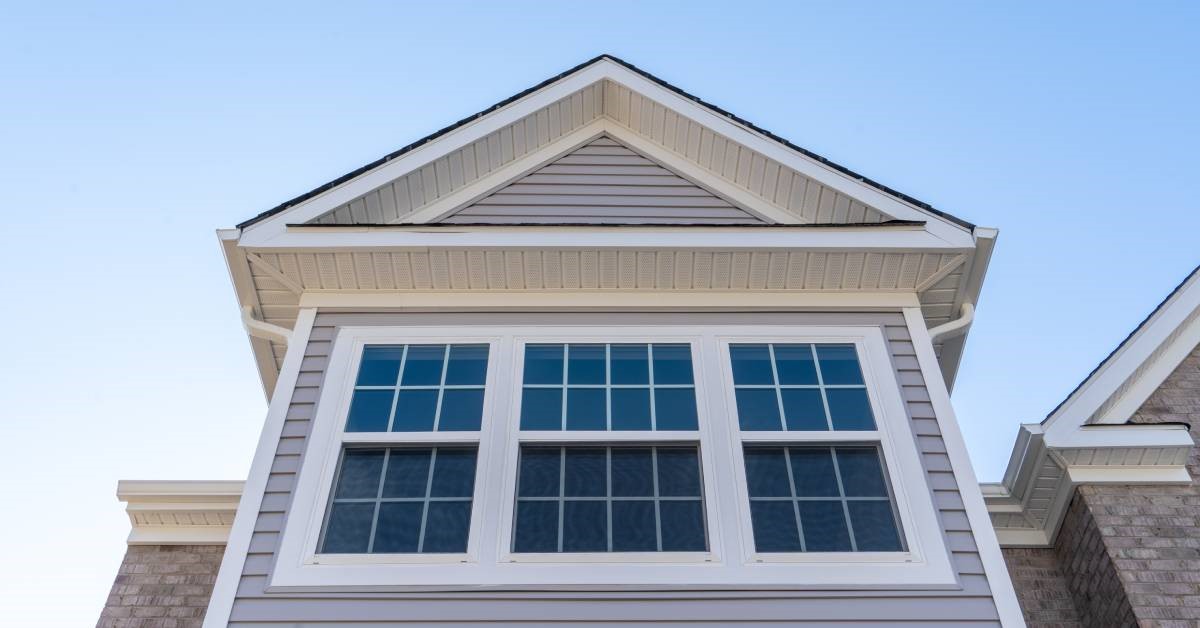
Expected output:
(969, 606)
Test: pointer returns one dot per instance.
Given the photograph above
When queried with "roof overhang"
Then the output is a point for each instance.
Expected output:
(179, 512)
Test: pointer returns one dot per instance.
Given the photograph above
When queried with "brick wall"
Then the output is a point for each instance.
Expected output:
(1042, 589)
(162, 586)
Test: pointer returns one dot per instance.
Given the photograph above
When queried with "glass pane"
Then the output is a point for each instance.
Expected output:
(360, 473)
(541, 409)
(349, 529)
(678, 472)
(468, 365)
(540, 473)
(812, 468)
(586, 473)
(369, 411)
(399, 528)
(804, 409)
(874, 526)
(407, 473)
(632, 472)
(415, 410)
(586, 409)
(630, 364)
(633, 528)
(758, 409)
(453, 473)
(672, 364)
(585, 526)
(630, 408)
(766, 472)
(675, 408)
(824, 526)
(462, 410)
(446, 527)
(850, 409)
(682, 526)
(751, 364)
(543, 364)
(536, 527)
(839, 364)
(794, 363)
(380, 365)
(774, 526)
(585, 364)
(862, 475)
(423, 365)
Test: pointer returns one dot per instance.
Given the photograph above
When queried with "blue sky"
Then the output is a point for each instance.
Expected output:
(132, 131)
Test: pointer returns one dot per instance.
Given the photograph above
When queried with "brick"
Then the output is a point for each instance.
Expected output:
(162, 587)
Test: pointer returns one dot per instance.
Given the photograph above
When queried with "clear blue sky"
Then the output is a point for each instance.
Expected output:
(131, 131)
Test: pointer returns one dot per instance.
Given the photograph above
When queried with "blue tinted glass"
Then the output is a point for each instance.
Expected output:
(632, 472)
(541, 409)
(369, 411)
(678, 472)
(804, 409)
(585, 364)
(874, 526)
(360, 473)
(824, 526)
(794, 363)
(468, 365)
(423, 365)
(633, 528)
(812, 468)
(539, 472)
(758, 409)
(675, 408)
(379, 366)
(682, 526)
(586, 409)
(586, 473)
(672, 364)
(543, 364)
(630, 408)
(585, 526)
(774, 526)
(415, 410)
(453, 473)
(839, 364)
(407, 473)
(861, 472)
(349, 529)
(399, 528)
(462, 410)
(630, 364)
(850, 409)
(766, 472)
(751, 364)
(536, 527)
(446, 527)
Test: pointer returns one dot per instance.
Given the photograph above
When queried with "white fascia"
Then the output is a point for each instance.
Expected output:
(179, 512)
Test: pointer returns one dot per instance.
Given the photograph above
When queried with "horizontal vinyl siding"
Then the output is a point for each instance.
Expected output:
(969, 606)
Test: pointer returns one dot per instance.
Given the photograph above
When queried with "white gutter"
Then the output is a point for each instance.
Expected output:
(956, 327)
(263, 329)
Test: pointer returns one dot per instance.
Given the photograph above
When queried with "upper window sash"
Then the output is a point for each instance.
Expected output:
(419, 388)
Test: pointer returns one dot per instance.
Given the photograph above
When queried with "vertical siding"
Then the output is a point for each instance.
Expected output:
(970, 606)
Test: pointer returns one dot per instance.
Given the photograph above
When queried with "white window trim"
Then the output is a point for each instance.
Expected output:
(731, 562)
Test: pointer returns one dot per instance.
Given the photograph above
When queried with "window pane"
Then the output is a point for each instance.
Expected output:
(630, 408)
(850, 409)
(682, 526)
(369, 411)
(586, 409)
(359, 476)
(423, 365)
(540, 473)
(861, 472)
(633, 526)
(874, 526)
(678, 472)
(672, 364)
(462, 410)
(675, 408)
(758, 409)
(536, 527)
(543, 364)
(632, 472)
(380, 366)
(447, 525)
(399, 528)
(774, 525)
(766, 472)
(795, 366)
(541, 409)
(630, 364)
(586, 472)
(407, 473)
(585, 364)
(751, 364)
(468, 365)
(349, 528)
(812, 468)
(415, 410)
(824, 526)
(804, 409)
(585, 526)
(453, 473)
(839, 364)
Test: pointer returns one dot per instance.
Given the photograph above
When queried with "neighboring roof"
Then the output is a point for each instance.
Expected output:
(393, 155)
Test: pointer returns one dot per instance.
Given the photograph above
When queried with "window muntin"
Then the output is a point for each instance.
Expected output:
(419, 388)
(800, 387)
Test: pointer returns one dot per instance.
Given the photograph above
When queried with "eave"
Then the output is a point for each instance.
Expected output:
(179, 512)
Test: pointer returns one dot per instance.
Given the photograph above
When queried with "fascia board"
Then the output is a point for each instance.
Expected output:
(239, 275)
(1153, 372)
(1122, 436)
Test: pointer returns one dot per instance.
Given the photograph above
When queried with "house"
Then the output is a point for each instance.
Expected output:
(605, 353)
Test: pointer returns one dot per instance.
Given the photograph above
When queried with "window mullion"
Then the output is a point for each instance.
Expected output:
(425, 502)
(657, 507)
(778, 392)
(387, 454)
(650, 381)
(562, 421)
(787, 460)
(837, 472)
(396, 391)
(562, 493)
(821, 383)
(437, 412)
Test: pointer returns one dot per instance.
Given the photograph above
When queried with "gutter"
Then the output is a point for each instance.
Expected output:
(263, 329)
